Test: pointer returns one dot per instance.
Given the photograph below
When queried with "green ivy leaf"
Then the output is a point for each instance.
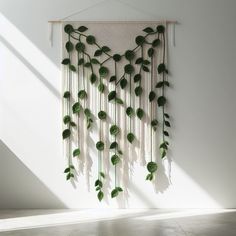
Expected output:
(115, 159)
(151, 52)
(163, 146)
(93, 78)
(66, 94)
(146, 62)
(130, 137)
(119, 189)
(145, 68)
(160, 29)
(156, 42)
(123, 83)
(149, 177)
(113, 78)
(152, 96)
(137, 78)
(72, 123)
(148, 30)
(129, 69)
(138, 91)
(103, 71)
(154, 124)
(140, 40)
(80, 61)
(68, 28)
(72, 68)
(161, 101)
(90, 39)
(106, 49)
(95, 61)
(129, 111)
(166, 133)
(139, 61)
(67, 170)
(82, 94)
(119, 101)
(76, 107)
(80, 47)
(152, 166)
(66, 133)
(69, 46)
(98, 53)
(114, 193)
(163, 153)
(101, 87)
(76, 152)
(112, 95)
(100, 195)
(167, 123)
(87, 112)
(102, 115)
(66, 119)
(114, 145)
(140, 113)
(87, 64)
(116, 57)
(98, 182)
(161, 68)
(65, 61)
(166, 115)
(114, 130)
(82, 29)
(102, 175)
(129, 55)
(100, 146)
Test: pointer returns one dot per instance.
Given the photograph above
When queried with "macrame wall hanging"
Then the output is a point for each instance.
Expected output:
(114, 79)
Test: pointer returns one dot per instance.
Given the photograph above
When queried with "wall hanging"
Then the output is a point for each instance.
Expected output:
(114, 80)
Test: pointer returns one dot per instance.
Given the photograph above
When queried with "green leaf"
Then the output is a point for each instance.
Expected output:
(114, 193)
(100, 146)
(66, 94)
(72, 167)
(106, 49)
(87, 112)
(129, 69)
(80, 47)
(98, 188)
(94, 61)
(138, 91)
(165, 133)
(139, 61)
(152, 96)
(68, 28)
(115, 159)
(129, 55)
(102, 175)
(98, 182)
(146, 62)
(161, 101)
(152, 166)
(149, 177)
(166, 115)
(103, 71)
(163, 146)
(82, 94)
(167, 123)
(116, 57)
(113, 78)
(145, 68)
(80, 61)
(139, 40)
(72, 68)
(114, 130)
(87, 64)
(72, 123)
(162, 83)
(101, 87)
(100, 195)
(119, 189)
(65, 61)
(120, 152)
(154, 124)
(76, 152)
(163, 153)
(114, 145)
(76, 107)
(156, 42)
(98, 53)
(102, 115)
(130, 137)
(140, 113)
(161, 68)
(67, 170)
(151, 52)
(111, 95)
(129, 111)
(93, 78)
(69, 46)
(66, 133)
(66, 119)
(90, 39)
(160, 29)
(137, 78)
(82, 29)
(119, 101)
(148, 30)
(68, 176)
(123, 83)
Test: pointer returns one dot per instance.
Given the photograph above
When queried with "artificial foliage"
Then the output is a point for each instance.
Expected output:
(131, 80)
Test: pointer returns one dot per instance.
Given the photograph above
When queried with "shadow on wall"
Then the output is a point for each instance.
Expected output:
(32, 193)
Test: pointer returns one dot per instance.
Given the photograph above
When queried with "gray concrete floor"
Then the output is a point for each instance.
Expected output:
(118, 223)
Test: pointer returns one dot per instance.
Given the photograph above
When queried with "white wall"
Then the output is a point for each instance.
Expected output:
(202, 99)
